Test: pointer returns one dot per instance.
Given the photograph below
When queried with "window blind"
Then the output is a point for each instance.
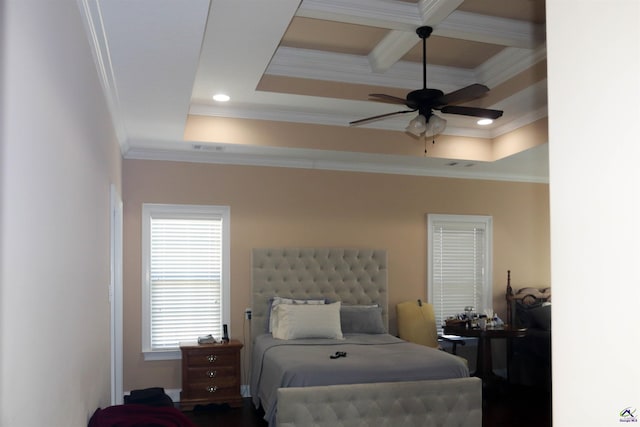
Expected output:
(459, 264)
(185, 277)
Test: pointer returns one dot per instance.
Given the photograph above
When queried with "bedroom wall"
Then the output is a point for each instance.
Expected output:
(595, 206)
(58, 157)
(300, 207)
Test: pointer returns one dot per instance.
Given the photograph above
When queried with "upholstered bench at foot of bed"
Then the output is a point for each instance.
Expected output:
(452, 402)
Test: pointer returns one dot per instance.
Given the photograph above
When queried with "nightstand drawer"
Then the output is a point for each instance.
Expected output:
(210, 357)
(210, 372)
(215, 389)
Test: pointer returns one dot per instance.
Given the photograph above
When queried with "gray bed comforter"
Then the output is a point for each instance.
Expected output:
(370, 358)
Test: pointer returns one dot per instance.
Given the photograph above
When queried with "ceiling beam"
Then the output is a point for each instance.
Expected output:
(403, 18)
(491, 29)
(433, 12)
(390, 49)
(376, 13)
(406, 16)
(227, 44)
(398, 42)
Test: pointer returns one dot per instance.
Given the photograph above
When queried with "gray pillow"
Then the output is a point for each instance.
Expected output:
(356, 319)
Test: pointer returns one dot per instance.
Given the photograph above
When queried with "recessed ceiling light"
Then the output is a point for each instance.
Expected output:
(484, 122)
(221, 97)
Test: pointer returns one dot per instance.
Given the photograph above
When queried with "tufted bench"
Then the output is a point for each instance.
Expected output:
(452, 402)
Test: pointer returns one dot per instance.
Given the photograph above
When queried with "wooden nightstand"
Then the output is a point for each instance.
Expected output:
(210, 374)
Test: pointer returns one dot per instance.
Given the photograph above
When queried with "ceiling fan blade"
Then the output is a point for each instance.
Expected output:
(471, 111)
(381, 116)
(467, 93)
(388, 98)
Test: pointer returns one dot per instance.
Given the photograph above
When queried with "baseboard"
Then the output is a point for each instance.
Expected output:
(174, 393)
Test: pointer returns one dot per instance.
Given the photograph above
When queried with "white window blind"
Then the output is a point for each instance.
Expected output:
(459, 264)
(185, 274)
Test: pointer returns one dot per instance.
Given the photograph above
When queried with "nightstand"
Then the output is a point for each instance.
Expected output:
(210, 374)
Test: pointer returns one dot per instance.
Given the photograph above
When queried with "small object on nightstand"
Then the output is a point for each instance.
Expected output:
(225, 336)
(206, 339)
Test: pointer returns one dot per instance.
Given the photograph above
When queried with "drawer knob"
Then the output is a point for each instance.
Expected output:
(212, 388)
(212, 358)
(211, 374)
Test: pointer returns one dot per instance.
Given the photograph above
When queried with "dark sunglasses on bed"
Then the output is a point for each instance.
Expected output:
(338, 354)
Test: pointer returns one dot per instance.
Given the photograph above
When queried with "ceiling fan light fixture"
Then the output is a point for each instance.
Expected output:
(484, 122)
(435, 125)
(417, 125)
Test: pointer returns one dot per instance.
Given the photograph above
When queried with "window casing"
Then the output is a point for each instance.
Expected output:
(459, 264)
(185, 276)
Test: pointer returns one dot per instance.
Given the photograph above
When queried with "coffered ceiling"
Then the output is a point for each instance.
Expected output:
(309, 66)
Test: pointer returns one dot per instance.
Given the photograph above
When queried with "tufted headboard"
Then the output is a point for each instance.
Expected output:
(353, 276)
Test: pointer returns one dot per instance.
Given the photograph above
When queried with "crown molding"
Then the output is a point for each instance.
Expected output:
(233, 154)
(509, 63)
(257, 112)
(94, 26)
(525, 119)
(296, 116)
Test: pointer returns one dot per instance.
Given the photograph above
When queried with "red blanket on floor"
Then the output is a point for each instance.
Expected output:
(131, 415)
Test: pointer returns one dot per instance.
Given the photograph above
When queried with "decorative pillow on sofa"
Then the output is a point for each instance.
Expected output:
(275, 301)
(361, 319)
(294, 321)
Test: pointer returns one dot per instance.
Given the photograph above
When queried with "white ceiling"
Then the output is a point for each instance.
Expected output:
(161, 60)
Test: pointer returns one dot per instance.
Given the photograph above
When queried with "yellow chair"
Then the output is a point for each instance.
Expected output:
(417, 324)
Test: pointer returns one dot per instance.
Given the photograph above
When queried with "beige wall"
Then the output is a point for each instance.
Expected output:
(300, 207)
(58, 156)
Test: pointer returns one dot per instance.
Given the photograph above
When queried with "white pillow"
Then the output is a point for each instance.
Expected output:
(279, 300)
(307, 321)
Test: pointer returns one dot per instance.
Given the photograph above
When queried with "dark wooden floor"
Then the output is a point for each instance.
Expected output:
(519, 406)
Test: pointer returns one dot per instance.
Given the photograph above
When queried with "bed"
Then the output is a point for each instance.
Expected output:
(310, 357)
(530, 356)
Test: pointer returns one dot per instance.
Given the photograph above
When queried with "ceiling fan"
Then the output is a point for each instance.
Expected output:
(425, 100)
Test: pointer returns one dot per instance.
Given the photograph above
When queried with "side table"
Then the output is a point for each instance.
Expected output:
(210, 374)
(484, 362)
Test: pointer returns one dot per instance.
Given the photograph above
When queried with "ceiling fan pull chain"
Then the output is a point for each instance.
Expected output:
(433, 141)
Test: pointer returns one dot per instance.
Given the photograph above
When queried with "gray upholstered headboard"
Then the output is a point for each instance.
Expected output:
(353, 276)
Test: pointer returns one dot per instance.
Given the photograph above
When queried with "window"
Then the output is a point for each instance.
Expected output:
(185, 275)
(459, 264)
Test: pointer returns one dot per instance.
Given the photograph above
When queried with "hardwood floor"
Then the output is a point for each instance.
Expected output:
(520, 406)
(222, 415)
